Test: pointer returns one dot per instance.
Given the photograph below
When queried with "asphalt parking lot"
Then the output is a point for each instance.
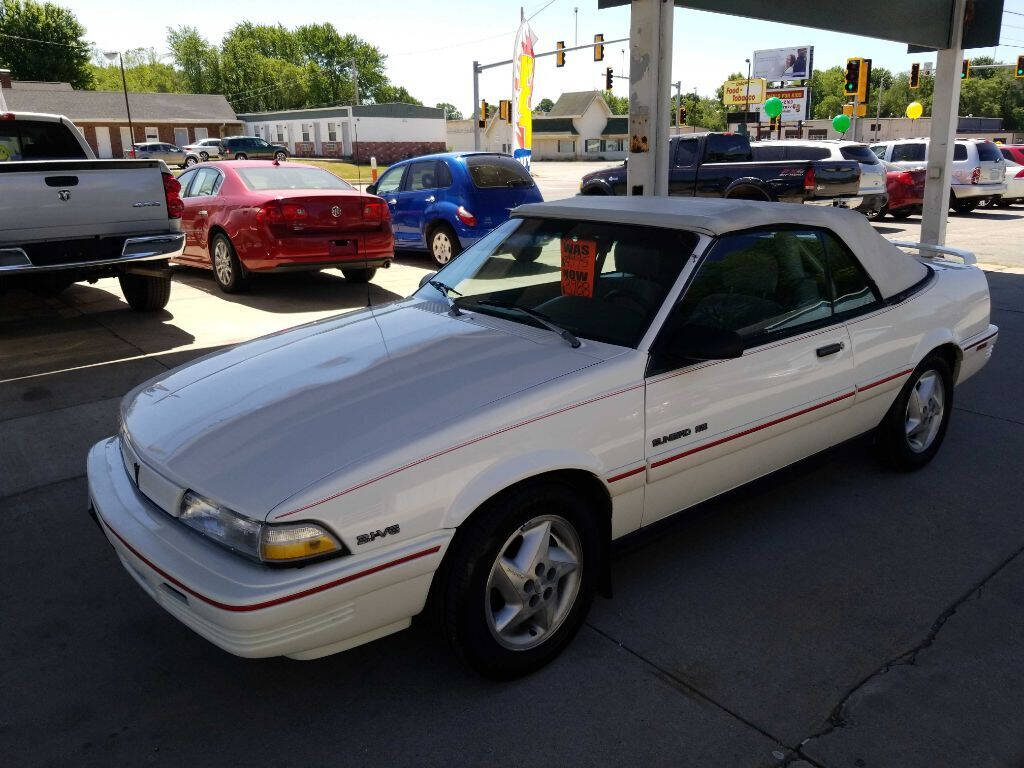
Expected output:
(836, 614)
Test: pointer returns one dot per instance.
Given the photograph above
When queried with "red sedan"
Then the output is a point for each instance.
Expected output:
(905, 189)
(246, 216)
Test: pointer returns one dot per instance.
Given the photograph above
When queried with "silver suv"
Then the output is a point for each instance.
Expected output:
(978, 168)
(872, 175)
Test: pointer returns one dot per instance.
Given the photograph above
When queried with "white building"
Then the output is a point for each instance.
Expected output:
(496, 137)
(389, 132)
(870, 129)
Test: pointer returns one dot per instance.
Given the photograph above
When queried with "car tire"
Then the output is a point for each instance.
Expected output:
(553, 585)
(877, 214)
(359, 275)
(443, 244)
(915, 425)
(962, 206)
(190, 161)
(901, 213)
(280, 156)
(228, 270)
(204, 156)
(145, 293)
(241, 156)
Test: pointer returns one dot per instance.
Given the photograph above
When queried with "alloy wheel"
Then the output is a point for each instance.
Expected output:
(222, 262)
(533, 583)
(925, 408)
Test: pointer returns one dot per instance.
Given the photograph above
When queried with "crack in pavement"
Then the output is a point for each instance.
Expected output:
(909, 657)
(688, 688)
(988, 415)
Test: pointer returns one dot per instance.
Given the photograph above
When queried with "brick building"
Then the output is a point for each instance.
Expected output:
(175, 118)
(389, 132)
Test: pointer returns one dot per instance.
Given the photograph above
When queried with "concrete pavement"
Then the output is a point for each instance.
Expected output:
(836, 614)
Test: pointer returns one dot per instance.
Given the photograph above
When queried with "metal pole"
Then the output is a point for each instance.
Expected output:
(853, 117)
(127, 107)
(878, 111)
(476, 106)
(576, 26)
(746, 105)
(650, 68)
(679, 103)
(355, 80)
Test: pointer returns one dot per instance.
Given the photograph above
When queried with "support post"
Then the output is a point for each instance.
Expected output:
(945, 108)
(650, 65)
(476, 106)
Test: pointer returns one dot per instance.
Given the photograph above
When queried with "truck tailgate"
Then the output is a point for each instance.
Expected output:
(836, 178)
(64, 199)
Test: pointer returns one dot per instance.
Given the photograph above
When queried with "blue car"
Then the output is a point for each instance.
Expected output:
(444, 203)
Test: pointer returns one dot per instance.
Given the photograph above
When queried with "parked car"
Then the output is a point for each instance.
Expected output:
(171, 154)
(872, 190)
(1014, 186)
(445, 203)
(67, 216)
(248, 216)
(723, 165)
(1012, 152)
(252, 148)
(906, 191)
(591, 367)
(204, 149)
(978, 168)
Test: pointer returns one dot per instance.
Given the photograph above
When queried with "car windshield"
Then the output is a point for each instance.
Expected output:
(599, 281)
(269, 177)
(497, 171)
(860, 153)
(989, 152)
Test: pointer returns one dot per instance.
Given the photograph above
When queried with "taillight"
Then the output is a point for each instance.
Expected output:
(375, 211)
(465, 217)
(975, 175)
(906, 179)
(809, 179)
(7, 116)
(277, 212)
(172, 195)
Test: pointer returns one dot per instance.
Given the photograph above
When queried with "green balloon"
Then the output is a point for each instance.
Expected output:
(841, 123)
(773, 107)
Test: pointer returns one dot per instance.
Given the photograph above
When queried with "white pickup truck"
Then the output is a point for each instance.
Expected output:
(66, 216)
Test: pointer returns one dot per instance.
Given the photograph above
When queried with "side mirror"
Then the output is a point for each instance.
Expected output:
(427, 278)
(702, 342)
(371, 189)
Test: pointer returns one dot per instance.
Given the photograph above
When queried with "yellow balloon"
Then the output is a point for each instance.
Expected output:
(914, 110)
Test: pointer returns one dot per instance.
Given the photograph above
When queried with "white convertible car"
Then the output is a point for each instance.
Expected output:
(591, 366)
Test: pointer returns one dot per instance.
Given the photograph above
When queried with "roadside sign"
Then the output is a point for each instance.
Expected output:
(782, 64)
(794, 103)
(734, 92)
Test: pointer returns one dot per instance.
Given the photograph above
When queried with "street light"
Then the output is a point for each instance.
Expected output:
(746, 104)
(110, 56)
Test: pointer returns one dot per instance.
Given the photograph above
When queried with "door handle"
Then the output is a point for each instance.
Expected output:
(830, 349)
(392, 201)
(202, 212)
(429, 199)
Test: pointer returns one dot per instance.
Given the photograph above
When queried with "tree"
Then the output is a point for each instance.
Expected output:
(197, 60)
(619, 105)
(544, 106)
(62, 55)
(143, 72)
(450, 111)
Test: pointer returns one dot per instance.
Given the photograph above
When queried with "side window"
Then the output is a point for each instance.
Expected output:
(422, 176)
(760, 285)
(204, 183)
(726, 148)
(807, 153)
(444, 175)
(911, 152)
(686, 153)
(959, 152)
(185, 180)
(391, 180)
(879, 150)
(768, 152)
(852, 287)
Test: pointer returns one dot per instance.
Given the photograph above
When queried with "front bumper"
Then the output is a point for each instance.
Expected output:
(973, 191)
(246, 608)
(837, 202)
(16, 260)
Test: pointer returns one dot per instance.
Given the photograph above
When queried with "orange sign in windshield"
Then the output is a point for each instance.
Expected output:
(578, 262)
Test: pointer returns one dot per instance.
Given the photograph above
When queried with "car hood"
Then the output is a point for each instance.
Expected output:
(253, 425)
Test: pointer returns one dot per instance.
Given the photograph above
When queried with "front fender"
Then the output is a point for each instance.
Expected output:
(597, 186)
(509, 471)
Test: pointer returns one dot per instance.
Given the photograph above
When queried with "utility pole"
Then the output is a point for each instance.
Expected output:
(355, 80)
(878, 111)
(746, 105)
(127, 108)
(576, 26)
(476, 105)
(679, 104)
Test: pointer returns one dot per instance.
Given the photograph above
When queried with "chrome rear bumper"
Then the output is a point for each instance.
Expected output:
(15, 260)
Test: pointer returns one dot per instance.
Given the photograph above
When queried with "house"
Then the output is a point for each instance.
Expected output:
(495, 137)
(174, 118)
(580, 126)
(389, 132)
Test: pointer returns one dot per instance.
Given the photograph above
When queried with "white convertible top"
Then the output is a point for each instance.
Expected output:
(892, 270)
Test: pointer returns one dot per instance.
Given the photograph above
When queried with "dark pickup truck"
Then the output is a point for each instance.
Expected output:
(722, 165)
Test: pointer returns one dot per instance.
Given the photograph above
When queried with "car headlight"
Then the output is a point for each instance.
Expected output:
(288, 543)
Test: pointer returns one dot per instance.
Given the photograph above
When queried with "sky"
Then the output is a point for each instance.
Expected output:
(431, 44)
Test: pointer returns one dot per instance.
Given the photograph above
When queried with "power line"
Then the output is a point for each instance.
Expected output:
(45, 42)
(545, 7)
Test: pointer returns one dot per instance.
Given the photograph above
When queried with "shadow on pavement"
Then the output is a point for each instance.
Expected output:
(985, 214)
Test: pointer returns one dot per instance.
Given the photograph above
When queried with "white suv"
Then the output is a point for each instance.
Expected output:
(978, 168)
(872, 175)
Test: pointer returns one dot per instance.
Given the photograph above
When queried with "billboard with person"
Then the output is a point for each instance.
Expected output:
(780, 64)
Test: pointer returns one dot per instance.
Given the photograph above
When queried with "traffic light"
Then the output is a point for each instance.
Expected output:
(1020, 67)
(852, 76)
(599, 49)
(560, 55)
(965, 69)
(505, 110)
(915, 75)
(482, 120)
(608, 79)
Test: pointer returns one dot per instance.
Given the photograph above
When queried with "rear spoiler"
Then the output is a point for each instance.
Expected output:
(929, 251)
